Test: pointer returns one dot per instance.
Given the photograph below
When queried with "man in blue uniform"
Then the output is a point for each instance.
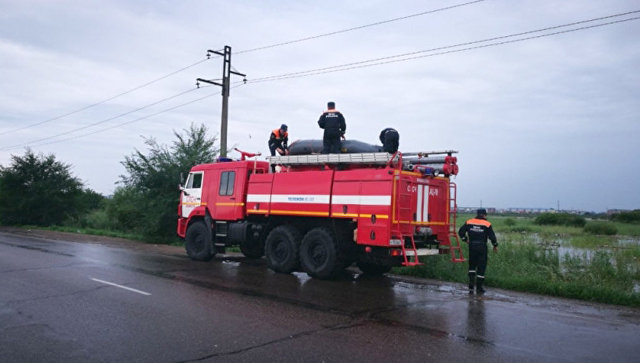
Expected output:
(476, 231)
(334, 127)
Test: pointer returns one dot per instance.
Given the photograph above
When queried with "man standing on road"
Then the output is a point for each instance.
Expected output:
(334, 127)
(476, 231)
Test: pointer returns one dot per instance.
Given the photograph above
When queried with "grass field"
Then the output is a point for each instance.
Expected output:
(553, 260)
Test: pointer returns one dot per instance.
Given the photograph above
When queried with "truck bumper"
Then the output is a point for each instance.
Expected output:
(182, 227)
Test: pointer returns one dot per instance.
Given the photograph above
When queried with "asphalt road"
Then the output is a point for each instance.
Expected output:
(99, 300)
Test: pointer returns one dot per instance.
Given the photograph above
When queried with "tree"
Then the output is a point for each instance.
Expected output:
(37, 189)
(153, 179)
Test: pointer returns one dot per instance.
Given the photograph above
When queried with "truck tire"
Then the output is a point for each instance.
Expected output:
(319, 254)
(374, 269)
(198, 242)
(282, 249)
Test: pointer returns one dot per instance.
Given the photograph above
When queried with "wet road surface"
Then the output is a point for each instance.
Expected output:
(93, 302)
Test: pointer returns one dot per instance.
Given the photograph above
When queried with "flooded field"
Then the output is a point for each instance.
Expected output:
(565, 261)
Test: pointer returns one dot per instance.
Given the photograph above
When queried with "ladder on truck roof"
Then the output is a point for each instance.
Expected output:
(379, 158)
(320, 159)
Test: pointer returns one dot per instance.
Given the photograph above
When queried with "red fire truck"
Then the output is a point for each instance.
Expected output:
(320, 213)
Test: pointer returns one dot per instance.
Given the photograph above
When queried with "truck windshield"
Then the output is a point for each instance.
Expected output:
(194, 181)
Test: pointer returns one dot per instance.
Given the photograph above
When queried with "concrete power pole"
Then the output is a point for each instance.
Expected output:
(226, 82)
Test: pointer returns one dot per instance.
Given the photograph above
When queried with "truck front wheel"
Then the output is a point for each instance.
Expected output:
(281, 249)
(198, 242)
(319, 254)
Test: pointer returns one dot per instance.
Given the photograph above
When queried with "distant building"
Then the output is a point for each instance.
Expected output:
(615, 211)
(522, 210)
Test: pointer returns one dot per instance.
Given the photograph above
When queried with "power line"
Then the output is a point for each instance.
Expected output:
(408, 56)
(361, 64)
(105, 100)
(131, 121)
(99, 122)
(240, 52)
(358, 27)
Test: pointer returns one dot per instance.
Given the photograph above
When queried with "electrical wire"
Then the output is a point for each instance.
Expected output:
(134, 120)
(130, 121)
(356, 65)
(99, 122)
(357, 27)
(408, 56)
(240, 52)
(105, 100)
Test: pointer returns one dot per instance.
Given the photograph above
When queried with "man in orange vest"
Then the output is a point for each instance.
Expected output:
(278, 141)
(475, 232)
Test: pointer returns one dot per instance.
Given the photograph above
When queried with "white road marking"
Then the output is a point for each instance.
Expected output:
(120, 286)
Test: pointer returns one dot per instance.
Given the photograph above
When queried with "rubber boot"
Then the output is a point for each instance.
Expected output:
(479, 282)
(472, 281)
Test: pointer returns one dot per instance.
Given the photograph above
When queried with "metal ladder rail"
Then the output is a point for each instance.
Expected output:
(453, 235)
(407, 260)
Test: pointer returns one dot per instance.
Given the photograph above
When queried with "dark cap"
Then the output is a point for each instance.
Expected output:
(481, 212)
(283, 127)
(331, 104)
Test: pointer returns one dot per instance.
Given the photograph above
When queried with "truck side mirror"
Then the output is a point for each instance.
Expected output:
(182, 189)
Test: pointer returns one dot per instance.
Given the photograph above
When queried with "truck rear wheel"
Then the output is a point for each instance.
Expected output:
(198, 242)
(319, 254)
(282, 249)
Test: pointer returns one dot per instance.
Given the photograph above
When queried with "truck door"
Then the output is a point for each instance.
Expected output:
(192, 194)
(230, 199)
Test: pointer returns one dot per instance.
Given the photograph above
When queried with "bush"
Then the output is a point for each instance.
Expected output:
(37, 189)
(560, 219)
(510, 222)
(147, 201)
(627, 217)
(604, 228)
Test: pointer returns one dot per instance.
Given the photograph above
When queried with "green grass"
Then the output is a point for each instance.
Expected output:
(591, 241)
(628, 229)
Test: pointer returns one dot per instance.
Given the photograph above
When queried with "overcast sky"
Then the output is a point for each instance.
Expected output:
(538, 122)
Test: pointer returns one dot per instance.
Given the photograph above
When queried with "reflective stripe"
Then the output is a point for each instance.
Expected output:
(419, 204)
(383, 200)
(470, 271)
(258, 198)
(480, 277)
(362, 199)
(422, 203)
(300, 198)
(481, 222)
(425, 206)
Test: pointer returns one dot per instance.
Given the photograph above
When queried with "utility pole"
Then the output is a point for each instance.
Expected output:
(226, 80)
